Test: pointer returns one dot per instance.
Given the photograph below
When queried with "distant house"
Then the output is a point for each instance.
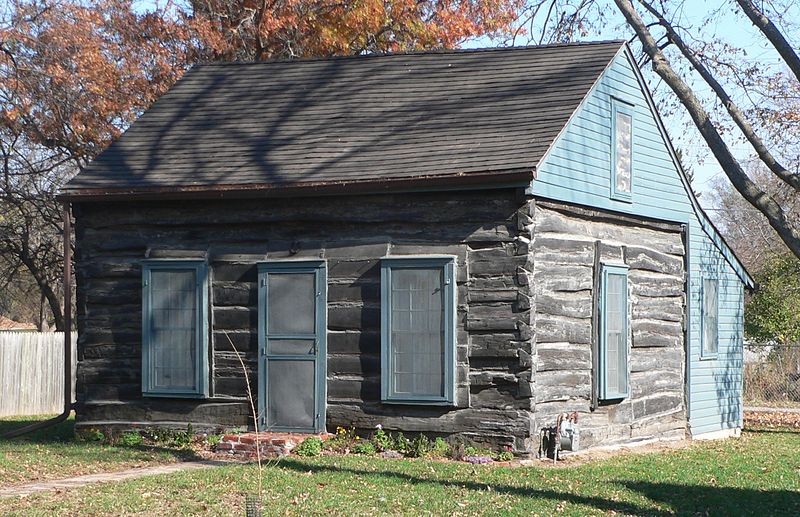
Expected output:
(457, 243)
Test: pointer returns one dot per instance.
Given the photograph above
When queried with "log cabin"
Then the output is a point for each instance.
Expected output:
(459, 243)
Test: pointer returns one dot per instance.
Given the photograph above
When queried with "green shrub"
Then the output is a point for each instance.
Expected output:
(91, 435)
(131, 439)
(401, 444)
(214, 439)
(420, 446)
(343, 441)
(364, 447)
(506, 456)
(479, 451)
(440, 448)
(382, 441)
(171, 437)
(311, 446)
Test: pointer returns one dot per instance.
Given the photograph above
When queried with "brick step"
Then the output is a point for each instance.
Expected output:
(271, 445)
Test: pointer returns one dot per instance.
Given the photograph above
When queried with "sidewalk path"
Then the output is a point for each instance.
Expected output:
(105, 477)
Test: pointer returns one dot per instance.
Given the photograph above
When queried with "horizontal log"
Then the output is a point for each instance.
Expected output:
(659, 403)
(655, 333)
(639, 257)
(562, 385)
(568, 304)
(549, 277)
(648, 284)
(563, 356)
(496, 344)
(500, 317)
(353, 317)
(354, 342)
(559, 329)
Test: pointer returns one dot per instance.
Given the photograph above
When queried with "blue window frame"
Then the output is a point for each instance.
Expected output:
(613, 376)
(621, 150)
(292, 341)
(710, 318)
(174, 328)
(418, 303)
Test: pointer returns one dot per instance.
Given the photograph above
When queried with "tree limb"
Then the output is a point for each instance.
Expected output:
(773, 34)
(743, 184)
(733, 110)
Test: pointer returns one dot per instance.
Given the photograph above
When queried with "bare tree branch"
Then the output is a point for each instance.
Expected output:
(773, 34)
(749, 190)
(733, 110)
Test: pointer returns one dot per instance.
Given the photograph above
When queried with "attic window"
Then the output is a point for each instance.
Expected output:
(621, 150)
(710, 308)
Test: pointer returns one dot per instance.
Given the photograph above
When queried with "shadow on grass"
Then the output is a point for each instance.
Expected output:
(60, 432)
(772, 430)
(62, 435)
(682, 499)
(710, 500)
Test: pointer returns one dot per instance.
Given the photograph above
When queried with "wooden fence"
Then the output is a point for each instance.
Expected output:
(32, 372)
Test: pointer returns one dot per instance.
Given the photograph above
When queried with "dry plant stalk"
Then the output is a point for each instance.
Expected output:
(251, 399)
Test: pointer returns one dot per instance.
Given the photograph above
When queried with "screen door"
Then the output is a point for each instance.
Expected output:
(292, 346)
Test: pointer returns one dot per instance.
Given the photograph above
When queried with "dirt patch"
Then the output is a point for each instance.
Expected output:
(575, 459)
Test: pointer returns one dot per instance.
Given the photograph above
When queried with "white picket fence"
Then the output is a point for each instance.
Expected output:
(32, 372)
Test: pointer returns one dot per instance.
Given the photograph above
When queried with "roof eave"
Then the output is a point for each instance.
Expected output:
(490, 179)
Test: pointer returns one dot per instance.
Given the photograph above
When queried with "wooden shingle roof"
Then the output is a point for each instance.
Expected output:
(423, 117)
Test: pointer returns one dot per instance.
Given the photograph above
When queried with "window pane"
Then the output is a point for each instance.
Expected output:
(173, 328)
(291, 303)
(292, 346)
(417, 333)
(623, 152)
(616, 339)
(710, 316)
(291, 393)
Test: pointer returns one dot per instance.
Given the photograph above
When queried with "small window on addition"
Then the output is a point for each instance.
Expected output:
(710, 336)
(621, 150)
(418, 303)
(174, 328)
(613, 349)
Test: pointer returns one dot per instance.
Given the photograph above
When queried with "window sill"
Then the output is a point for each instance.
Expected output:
(418, 402)
(623, 198)
(176, 395)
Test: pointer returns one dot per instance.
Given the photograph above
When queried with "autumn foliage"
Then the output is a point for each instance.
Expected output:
(261, 29)
(74, 75)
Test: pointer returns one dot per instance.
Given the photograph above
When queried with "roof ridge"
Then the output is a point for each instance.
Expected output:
(430, 52)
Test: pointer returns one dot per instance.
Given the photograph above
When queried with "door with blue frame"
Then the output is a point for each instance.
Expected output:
(292, 346)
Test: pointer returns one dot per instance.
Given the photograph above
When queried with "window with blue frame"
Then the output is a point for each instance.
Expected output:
(614, 344)
(621, 150)
(710, 320)
(418, 303)
(174, 328)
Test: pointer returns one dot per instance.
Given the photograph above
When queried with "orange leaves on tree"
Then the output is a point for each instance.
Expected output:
(73, 75)
(260, 29)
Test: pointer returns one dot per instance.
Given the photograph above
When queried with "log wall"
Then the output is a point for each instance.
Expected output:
(481, 228)
(525, 274)
(568, 245)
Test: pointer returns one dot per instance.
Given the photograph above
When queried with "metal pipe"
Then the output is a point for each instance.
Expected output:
(67, 336)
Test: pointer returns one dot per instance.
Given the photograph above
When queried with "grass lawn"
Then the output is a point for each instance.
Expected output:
(54, 453)
(758, 474)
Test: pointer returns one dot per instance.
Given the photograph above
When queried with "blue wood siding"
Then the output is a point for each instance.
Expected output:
(577, 170)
